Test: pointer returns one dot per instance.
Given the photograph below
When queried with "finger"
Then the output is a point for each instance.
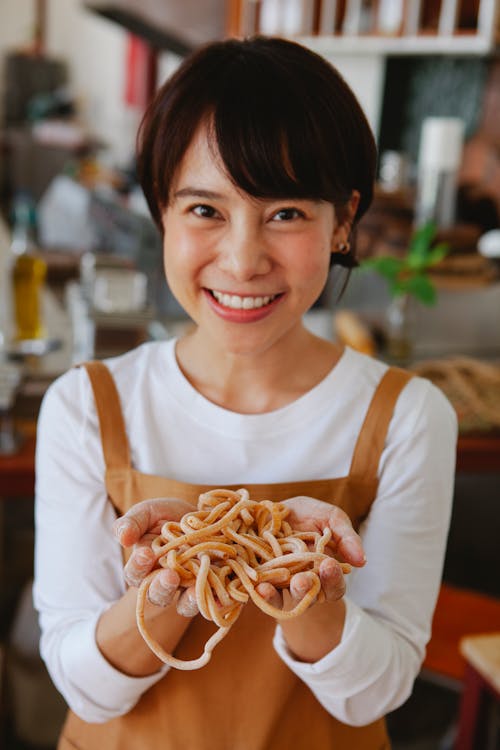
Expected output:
(139, 564)
(300, 583)
(187, 605)
(163, 587)
(332, 579)
(270, 593)
(145, 515)
(309, 514)
(348, 542)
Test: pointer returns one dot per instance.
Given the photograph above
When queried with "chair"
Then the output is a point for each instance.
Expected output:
(459, 613)
(477, 727)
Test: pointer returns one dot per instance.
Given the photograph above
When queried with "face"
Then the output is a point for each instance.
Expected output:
(244, 269)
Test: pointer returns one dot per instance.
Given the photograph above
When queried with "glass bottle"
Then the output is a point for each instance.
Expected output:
(28, 272)
(399, 324)
(6, 311)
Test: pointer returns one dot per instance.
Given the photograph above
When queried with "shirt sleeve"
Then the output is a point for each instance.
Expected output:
(391, 600)
(73, 523)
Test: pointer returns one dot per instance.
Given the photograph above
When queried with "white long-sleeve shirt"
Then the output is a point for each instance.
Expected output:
(177, 433)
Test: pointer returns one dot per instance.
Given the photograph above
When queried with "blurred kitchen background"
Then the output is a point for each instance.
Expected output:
(81, 268)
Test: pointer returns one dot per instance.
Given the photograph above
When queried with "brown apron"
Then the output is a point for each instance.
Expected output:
(245, 698)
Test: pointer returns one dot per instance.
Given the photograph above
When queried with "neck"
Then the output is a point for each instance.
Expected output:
(257, 383)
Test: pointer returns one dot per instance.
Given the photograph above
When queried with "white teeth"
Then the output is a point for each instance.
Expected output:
(236, 302)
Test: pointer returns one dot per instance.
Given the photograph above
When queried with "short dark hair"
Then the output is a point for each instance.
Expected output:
(283, 119)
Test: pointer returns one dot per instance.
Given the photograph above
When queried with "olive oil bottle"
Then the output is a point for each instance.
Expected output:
(28, 272)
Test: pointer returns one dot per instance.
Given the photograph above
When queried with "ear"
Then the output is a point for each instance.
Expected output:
(345, 219)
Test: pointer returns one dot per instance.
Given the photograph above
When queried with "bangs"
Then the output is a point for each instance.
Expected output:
(269, 143)
(281, 118)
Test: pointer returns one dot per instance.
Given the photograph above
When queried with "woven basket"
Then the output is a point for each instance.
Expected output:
(472, 387)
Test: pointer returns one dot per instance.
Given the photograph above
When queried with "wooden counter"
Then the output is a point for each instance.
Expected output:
(478, 453)
(475, 454)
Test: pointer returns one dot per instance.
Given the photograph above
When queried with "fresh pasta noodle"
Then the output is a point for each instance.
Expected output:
(225, 549)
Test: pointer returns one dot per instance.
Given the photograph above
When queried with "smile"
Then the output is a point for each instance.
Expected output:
(235, 302)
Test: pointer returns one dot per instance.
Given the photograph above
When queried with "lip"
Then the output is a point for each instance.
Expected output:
(239, 315)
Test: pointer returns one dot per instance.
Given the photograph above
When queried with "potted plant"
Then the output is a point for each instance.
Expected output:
(408, 277)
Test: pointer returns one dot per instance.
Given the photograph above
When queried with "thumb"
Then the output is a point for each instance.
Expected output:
(147, 515)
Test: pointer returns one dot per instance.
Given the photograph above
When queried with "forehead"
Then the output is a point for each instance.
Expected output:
(202, 148)
(201, 164)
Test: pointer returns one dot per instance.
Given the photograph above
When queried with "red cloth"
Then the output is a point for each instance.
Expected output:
(140, 73)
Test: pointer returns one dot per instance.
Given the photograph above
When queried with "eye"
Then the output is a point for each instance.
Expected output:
(288, 214)
(204, 211)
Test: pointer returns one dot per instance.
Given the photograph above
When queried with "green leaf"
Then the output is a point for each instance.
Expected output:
(408, 275)
(385, 265)
(422, 288)
(420, 243)
(416, 263)
(437, 253)
(397, 288)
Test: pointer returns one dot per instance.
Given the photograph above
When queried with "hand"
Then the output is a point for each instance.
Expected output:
(308, 514)
(137, 529)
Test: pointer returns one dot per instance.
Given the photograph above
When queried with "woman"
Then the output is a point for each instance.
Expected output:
(256, 161)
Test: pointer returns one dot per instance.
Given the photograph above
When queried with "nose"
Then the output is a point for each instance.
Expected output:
(243, 253)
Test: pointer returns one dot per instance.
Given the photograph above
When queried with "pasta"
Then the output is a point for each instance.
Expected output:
(225, 549)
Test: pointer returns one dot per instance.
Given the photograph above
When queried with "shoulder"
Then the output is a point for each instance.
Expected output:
(70, 397)
(424, 401)
(142, 364)
(419, 402)
(361, 372)
(142, 361)
(423, 419)
(369, 372)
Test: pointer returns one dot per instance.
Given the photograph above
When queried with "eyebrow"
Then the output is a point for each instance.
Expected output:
(193, 192)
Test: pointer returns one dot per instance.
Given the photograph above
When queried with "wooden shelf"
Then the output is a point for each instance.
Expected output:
(370, 44)
(369, 27)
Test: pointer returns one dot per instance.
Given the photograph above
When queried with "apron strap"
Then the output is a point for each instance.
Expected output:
(367, 452)
(371, 439)
(114, 439)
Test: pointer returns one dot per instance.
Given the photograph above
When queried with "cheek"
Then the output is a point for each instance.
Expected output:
(185, 255)
(179, 249)
(311, 258)
(174, 261)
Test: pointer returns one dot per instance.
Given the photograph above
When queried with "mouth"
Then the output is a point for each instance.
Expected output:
(247, 302)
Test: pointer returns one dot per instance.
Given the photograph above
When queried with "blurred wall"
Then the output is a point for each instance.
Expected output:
(94, 49)
(16, 29)
(95, 52)
(365, 74)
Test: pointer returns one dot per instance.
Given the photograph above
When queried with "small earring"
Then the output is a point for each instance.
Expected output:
(344, 247)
